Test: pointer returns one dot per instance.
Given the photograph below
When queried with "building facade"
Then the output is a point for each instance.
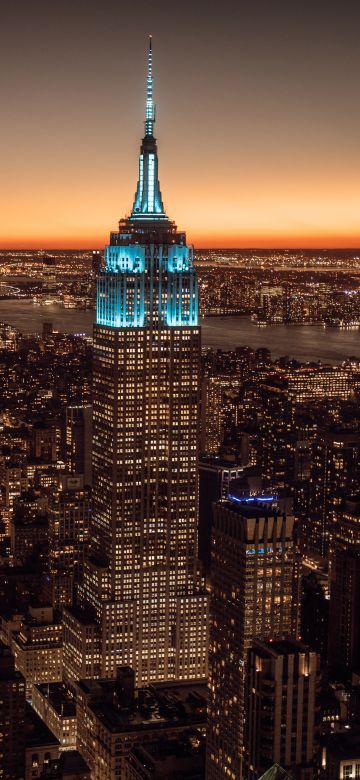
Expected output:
(141, 582)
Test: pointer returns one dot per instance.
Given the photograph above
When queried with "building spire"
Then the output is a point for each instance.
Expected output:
(149, 122)
(148, 202)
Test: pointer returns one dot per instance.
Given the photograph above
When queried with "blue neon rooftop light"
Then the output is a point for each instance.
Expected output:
(252, 499)
(148, 200)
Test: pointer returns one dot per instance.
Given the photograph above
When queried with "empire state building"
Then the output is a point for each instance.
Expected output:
(142, 601)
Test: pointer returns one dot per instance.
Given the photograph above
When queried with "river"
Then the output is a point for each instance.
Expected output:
(303, 342)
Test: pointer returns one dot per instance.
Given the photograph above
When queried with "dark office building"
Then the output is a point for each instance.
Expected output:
(344, 623)
(314, 615)
(12, 718)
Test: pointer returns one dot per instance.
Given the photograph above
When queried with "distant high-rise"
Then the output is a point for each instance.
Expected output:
(142, 594)
(215, 476)
(335, 474)
(96, 262)
(254, 594)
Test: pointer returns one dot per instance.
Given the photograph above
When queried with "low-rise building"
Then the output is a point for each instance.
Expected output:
(113, 717)
(38, 647)
(56, 706)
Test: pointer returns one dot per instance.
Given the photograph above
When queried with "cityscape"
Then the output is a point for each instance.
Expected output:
(179, 500)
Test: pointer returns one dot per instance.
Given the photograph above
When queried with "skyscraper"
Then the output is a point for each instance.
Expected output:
(141, 599)
(254, 574)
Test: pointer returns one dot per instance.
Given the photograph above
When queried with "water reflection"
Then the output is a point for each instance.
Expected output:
(305, 343)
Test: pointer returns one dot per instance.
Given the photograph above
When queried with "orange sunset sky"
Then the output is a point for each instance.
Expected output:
(258, 121)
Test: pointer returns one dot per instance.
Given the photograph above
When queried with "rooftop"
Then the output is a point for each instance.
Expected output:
(275, 772)
(59, 698)
(80, 615)
(69, 763)
(171, 758)
(279, 647)
(155, 706)
(253, 506)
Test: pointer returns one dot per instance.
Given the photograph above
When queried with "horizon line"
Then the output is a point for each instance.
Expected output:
(252, 247)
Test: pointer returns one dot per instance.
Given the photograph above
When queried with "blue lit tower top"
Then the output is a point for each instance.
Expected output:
(148, 201)
(149, 278)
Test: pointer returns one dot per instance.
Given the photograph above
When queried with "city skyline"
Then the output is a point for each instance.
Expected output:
(261, 111)
(180, 501)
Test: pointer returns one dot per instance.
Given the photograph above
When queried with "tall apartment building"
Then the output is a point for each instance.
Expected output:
(346, 529)
(96, 261)
(141, 592)
(271, 303)
(254, 594)
(13, 481)
(69, 533)
(282, 711)
(278, 437)
(218, 392)
(334, 474)
(344, 626)
(12, 718)
(29, 527)
(79, 440)
(43, 445)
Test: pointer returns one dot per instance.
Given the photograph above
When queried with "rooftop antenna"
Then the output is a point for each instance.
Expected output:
(150, 115)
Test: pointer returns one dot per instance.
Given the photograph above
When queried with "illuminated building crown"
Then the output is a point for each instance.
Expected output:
(149, 277)
(148, 201)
